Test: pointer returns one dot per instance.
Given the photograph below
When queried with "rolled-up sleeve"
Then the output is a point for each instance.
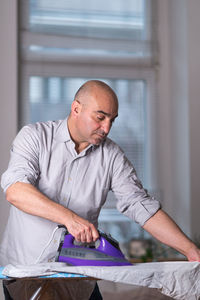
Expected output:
(132, 199)
(24, 159)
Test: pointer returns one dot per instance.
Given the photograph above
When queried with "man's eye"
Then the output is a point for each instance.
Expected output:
(100, 118)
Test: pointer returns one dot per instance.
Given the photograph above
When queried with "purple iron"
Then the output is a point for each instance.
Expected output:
(104, 252)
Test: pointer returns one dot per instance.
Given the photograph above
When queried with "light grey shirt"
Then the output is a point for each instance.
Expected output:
(44, 155)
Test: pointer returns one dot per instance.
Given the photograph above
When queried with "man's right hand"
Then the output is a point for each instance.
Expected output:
(82, 230)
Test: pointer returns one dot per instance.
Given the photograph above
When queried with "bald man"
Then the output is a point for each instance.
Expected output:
(60, 172)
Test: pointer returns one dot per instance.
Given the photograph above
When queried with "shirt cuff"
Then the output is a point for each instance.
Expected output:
(7, 180)
(142, 211)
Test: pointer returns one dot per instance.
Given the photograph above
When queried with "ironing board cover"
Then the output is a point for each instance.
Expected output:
(56, 275)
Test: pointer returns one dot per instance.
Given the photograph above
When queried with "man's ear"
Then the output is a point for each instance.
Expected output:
(75, 108)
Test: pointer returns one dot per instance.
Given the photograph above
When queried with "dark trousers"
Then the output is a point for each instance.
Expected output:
(6, 293)
(96, 295)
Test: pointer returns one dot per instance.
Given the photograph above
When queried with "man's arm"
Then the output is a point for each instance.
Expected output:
(30, 200)
(163, 228)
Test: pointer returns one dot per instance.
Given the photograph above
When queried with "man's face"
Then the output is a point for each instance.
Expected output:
(96, 117)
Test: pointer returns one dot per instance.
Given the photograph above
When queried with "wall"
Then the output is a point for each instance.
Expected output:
(8, 91)
(179, 88)
(174, 123)
(193, 44)
(8, 87)
(179, 113)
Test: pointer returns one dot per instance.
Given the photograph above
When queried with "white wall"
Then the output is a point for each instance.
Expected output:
(193, 43)
(8, 88)
(174, 102)
(8, 91)
(179, 87)
(179, 113)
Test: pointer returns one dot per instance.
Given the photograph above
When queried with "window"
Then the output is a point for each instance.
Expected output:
(65, 43)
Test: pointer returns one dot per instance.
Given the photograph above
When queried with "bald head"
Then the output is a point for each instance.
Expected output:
(93, 87)
(94, 109)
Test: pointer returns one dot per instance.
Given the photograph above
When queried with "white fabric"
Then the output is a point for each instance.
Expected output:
(179, 280)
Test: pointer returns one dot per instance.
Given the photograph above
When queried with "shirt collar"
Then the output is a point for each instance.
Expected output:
(62, 132)
(62, 135)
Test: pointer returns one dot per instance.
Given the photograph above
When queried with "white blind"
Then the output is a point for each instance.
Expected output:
(69, 30)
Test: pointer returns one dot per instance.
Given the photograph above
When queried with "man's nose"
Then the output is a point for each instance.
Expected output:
(106, 126)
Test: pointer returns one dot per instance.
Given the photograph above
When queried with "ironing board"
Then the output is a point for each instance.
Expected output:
(45, 284)
(179, 280)
(57, 275)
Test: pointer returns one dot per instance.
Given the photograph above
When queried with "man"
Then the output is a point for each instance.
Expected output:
(60, 173)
